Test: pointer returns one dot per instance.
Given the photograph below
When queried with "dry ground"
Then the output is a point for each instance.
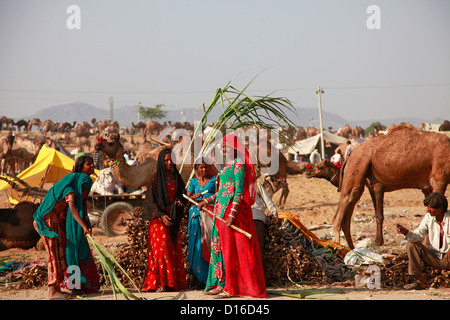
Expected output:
(314, 201)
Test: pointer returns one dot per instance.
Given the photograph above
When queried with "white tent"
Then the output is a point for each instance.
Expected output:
(306, 146)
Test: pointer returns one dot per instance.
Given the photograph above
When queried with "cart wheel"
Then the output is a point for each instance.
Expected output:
(115, 217)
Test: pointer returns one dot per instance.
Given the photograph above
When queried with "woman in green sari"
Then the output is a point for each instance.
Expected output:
(235, 267)
(62, 221)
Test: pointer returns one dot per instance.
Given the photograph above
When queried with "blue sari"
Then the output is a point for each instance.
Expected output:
(197, 264)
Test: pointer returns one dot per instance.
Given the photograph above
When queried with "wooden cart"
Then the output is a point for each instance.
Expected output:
(112, 213)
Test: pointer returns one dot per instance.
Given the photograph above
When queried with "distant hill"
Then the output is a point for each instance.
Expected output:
(125, 115)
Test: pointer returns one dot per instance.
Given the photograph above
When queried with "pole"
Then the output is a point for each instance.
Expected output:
(322, 143)
(138, 114)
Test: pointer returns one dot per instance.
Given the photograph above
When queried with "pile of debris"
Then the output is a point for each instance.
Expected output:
(289, 257)
(394, 273)
(18, 274)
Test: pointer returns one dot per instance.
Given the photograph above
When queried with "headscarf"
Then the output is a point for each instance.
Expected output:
(157, 187)
(250, 173)
(77, 248)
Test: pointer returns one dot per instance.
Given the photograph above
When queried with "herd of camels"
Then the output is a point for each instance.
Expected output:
(404, 157)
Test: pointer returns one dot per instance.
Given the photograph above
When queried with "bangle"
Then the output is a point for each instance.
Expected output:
(231, 215)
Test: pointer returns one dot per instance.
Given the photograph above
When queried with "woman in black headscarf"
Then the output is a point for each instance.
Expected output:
(165, 268)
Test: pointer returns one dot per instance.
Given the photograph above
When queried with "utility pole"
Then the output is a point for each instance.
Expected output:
(138, 114)
(111, 109)
(319, 91)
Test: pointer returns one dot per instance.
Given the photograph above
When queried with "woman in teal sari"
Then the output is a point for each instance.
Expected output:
(62, 222)
(200, 224)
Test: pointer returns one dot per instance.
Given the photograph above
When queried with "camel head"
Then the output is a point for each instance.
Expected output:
(109, 144)
(321, 170)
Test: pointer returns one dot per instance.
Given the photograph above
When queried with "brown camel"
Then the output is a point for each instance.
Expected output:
(445, 126)
(48, 126)
(132, 176)
(151, 127)
(358, 132)
(25, 151)
(345, 131)
(404, 158)
(325, 170)
(6, 146)
(138, 128)
(21, 123)
(6, 123)
(66, 127)
(35, 122)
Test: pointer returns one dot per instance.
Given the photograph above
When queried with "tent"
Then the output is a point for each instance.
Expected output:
(306, 146)
(50, 166)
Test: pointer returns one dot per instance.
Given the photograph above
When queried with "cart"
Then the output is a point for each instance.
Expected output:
(112, 213)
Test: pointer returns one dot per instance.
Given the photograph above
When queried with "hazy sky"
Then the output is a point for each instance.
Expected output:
(179, 52)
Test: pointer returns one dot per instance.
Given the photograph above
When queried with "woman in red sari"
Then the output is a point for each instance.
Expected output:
(165, 266)
(235, 267)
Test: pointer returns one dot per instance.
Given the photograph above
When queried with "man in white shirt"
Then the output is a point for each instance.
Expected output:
(348, 150)
(315, 157)
(435, 224)
(262, 200)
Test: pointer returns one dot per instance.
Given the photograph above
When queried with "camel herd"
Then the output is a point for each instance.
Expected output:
(405, 157)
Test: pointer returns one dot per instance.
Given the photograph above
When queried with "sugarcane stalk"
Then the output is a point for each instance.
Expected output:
(217, 217)
(107, 260)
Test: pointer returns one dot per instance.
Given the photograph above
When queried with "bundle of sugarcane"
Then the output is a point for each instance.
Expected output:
(285, 262)
(133, 256)
(109, 264)
(394, 273)
(32, 276)
(289, 257)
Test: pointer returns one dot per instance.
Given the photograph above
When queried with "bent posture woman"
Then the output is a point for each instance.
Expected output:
(62, 222)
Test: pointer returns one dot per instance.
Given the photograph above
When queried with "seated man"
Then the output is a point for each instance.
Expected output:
(435, 225)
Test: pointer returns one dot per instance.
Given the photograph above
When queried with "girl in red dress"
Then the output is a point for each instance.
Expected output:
(165, 268)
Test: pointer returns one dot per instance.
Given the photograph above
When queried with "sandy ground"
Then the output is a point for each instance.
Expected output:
(314, 201)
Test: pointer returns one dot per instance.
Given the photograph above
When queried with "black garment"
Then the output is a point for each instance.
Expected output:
(158, 199)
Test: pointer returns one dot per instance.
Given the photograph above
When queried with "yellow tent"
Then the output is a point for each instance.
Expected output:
(50, 166)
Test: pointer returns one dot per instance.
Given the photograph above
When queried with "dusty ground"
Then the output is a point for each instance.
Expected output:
(314, 201)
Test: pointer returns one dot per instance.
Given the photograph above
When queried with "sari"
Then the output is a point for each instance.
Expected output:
(63, 236)
(165, 265)
(199, 230)
(236, 264)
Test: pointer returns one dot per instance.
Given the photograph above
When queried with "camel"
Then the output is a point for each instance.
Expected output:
(138, 128)
(345, 131)
(35, 122)
(153, 127)
(132, 176)
(66, 127)
(83, 130)
(16, 226)
(25, 151)
(358, 132)
(6, 145)
(300, 134)
(21, 123)
(405, 158)
(6, 123)
(325, 170)
(311, 132)
(49, 126)
(445, 126)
